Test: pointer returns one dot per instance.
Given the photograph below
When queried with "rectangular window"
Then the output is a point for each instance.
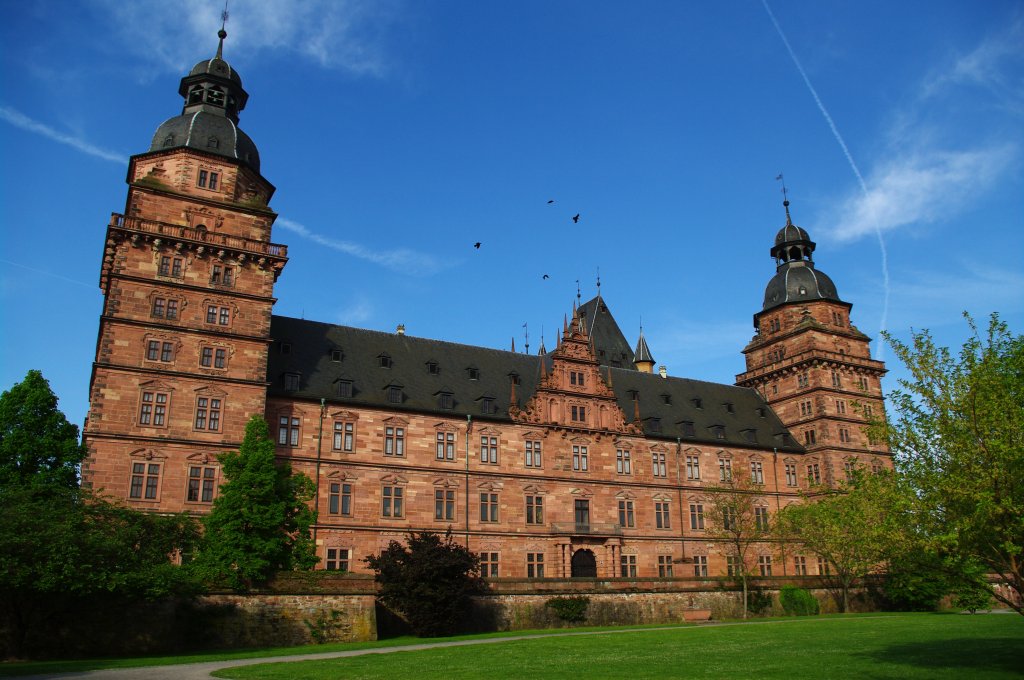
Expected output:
(215, 274)
(764, 564)
(153, 350)
(579, 458)
(837, 380)
(339, 498)
(802, 380)
(145, 481)
(756, 472)
(288, 431)
(627, 518)
(697, 516)
(800, 565)
(806, 407)
(790, 474)
(814, 474)
(206, 357)
(693, 468)
(201, 484)
(211, 314)
(823, 567)
(220, 358)
(700, 566)
(159, 305)
(863, 384)
(661, 516)
(844, 435)
(344, 436)
(291, 381)
(201, 179)
(176, 267)
(658, 468)
(581, 514)
(164, 268)
(623, 464)
(444, 504)
(225, 316)
(848, 468)
(728, 519)
(207, 414)
(167, 351)
(489, 564)
(394, 441)
(809, 437)
(725, 469)
(337, 559)
(533, 454)
(534, 565)
(579, 414)
(534, 509)
(444, 445)
(391, 505)
(628, 566)
(761, 518)
(488, 507)
(172, 309)
(840, 406)
(153, 410)
(665, 566)
(489, 450)
(576, 378)
(732, 565)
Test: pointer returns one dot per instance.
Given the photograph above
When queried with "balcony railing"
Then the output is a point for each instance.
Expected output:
(198, 235)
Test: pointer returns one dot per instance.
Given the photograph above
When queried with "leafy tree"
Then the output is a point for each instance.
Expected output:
(38, 446)
(737, 523)
(260, 520)
(428, 581)
(854, 528)
(958, 439)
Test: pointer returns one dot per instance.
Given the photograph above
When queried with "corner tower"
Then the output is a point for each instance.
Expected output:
(813, 366)
(187, 276)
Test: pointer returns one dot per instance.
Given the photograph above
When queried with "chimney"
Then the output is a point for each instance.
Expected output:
(662, 371)
(401, 329)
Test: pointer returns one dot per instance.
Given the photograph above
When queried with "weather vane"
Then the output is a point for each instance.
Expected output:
(224, 16)
(526, 334)
(785, 196)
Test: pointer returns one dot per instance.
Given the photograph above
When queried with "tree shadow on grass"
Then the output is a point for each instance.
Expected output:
(993, 654)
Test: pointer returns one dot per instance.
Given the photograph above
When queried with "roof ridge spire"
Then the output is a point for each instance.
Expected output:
(222, 33)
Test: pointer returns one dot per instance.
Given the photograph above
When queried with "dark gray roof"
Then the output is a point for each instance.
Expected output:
(209, 132)
(642, 352)
(305, 348)
(610, 346)
(798, 282)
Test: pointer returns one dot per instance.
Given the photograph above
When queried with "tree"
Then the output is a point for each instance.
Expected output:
(260, 521)
(38, 446)
(738, 522)
(428, 581)
(853, 528)
(958, 438)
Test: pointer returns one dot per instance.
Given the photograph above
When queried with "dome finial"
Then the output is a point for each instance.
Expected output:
(222, 33)
(785, 199)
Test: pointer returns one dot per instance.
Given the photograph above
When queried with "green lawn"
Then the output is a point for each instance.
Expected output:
(906, 646)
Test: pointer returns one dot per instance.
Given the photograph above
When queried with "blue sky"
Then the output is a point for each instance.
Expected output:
(400, 133)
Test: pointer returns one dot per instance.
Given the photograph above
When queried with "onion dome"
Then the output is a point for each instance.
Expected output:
(796, 278)
(208, 122)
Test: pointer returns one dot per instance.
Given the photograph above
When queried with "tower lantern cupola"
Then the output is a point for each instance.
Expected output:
(796, 278)
(213, 96)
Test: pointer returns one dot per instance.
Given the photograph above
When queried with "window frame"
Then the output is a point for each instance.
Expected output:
(201, 487)
(145, 477)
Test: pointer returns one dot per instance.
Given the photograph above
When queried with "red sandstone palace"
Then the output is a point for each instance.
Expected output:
(582, 461)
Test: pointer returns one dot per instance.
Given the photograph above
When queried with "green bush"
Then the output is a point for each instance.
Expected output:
(758, 601)
(572, 609)
(797, 601)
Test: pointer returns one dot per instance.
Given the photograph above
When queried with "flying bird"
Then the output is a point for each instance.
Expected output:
(576, 218)
(551, 201)
(477, 245)
(546, 277)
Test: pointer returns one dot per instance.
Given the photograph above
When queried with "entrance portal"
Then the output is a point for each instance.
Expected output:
(584, 564)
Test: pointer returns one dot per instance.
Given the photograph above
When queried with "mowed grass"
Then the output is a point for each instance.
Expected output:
(903, 646)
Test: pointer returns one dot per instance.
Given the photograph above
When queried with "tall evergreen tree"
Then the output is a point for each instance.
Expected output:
(38, 446)
(260, 520)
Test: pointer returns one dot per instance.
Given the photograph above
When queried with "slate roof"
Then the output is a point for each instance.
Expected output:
(610, 346)
(308, 349)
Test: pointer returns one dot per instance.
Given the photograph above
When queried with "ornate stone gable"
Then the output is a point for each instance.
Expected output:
(576, 393)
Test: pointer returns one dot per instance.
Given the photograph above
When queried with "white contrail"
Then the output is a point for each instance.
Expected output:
(46, 273)
(853, 166)
(18, 119)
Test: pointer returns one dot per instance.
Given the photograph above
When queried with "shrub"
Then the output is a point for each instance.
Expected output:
(797, 601)
(572, 609)
(759, 601)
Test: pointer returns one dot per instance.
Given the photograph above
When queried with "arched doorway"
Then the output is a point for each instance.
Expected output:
(584, 564)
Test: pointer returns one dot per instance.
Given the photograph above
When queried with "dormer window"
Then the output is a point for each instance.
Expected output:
(513, 378)
(474, 373)
(688, 429)
(384, 361)
(285, 347)
(750, 436)
(168, 141)
(718, 431)
(336, 355)
(654, 424)
(345, 389)
(729, 408)
(666, 399)
(446, 401)
(291, 382)
(395, 394)
(433, 368)
(697, 403)
(212, 142)
(487, 405)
